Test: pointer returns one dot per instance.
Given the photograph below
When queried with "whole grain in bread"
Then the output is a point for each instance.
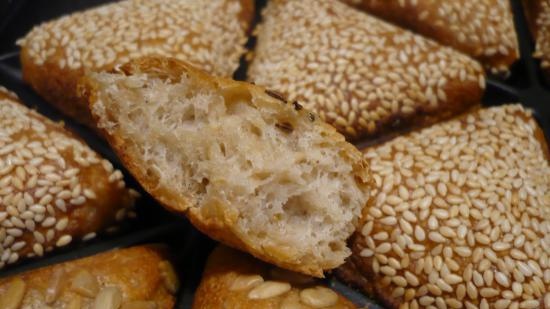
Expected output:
(248, 167)
(209, 34)
(54, 189)
(483, 29)
(362, 75)
(233, 279)
(461, 216)
(134, 278)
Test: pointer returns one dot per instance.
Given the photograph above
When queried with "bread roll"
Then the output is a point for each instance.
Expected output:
(233, 279)
(134, 278)
(364, 76)
(461, 216)
(54, 190)
(538, 16)
(247, 167)
(208, 34)
(483, 29)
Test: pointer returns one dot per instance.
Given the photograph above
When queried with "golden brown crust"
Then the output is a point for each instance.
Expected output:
(52, 67)
(55, 189)
(219, 221)
(219, 287)
(436, 237)
(138, 273)
(367, 78)
(537, 13)
(461, 24)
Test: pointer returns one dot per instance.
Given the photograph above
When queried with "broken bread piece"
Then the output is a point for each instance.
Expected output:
(247, 167)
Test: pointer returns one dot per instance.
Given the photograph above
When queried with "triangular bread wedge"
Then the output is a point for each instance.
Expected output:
(362, 75)
(483, 29)
(247, 168)
(56, 54)
(460, 216)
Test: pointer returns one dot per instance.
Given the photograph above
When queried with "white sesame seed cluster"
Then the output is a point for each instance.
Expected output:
(357, 72)
(208, 34)
(483, 29)
(461, 217)
(542, 46)
(42, 186)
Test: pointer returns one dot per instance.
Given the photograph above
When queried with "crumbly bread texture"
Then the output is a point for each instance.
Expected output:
(483, 29)
(54, 190)
(246, 166)
(362, 75)
(134, 278)
(538, 16)
(209, 34)
(233, 279)
(461, 216)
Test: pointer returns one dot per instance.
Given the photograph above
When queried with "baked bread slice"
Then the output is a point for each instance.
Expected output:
(134, 278)
(233, 279)
(362, 75)
(483, 29)
(209, 34)
(247, 167)
(538, 17)
(54, 189)
(461, 216)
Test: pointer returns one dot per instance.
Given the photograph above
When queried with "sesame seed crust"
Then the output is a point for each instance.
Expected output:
(53, 188)
(233, 279)
(360, 74)
(483, 29)
(460, 217)
(208, 34)
(538, 16)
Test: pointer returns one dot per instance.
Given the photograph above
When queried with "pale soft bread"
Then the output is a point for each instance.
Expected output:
(208, 34)
(54, 189)
(233, 279)
(244, 165)
(461, 216)
(362, 75)
(483, 29)
(134, 278)
(538, 17)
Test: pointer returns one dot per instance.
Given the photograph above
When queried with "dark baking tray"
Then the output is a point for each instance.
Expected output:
(189, 247)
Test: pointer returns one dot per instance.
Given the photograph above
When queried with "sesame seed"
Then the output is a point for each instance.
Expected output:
(480, 241)
(63, 240)
(37, 178)
(130, 34)
(38, 249)
(390, 72)
(89, 236)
